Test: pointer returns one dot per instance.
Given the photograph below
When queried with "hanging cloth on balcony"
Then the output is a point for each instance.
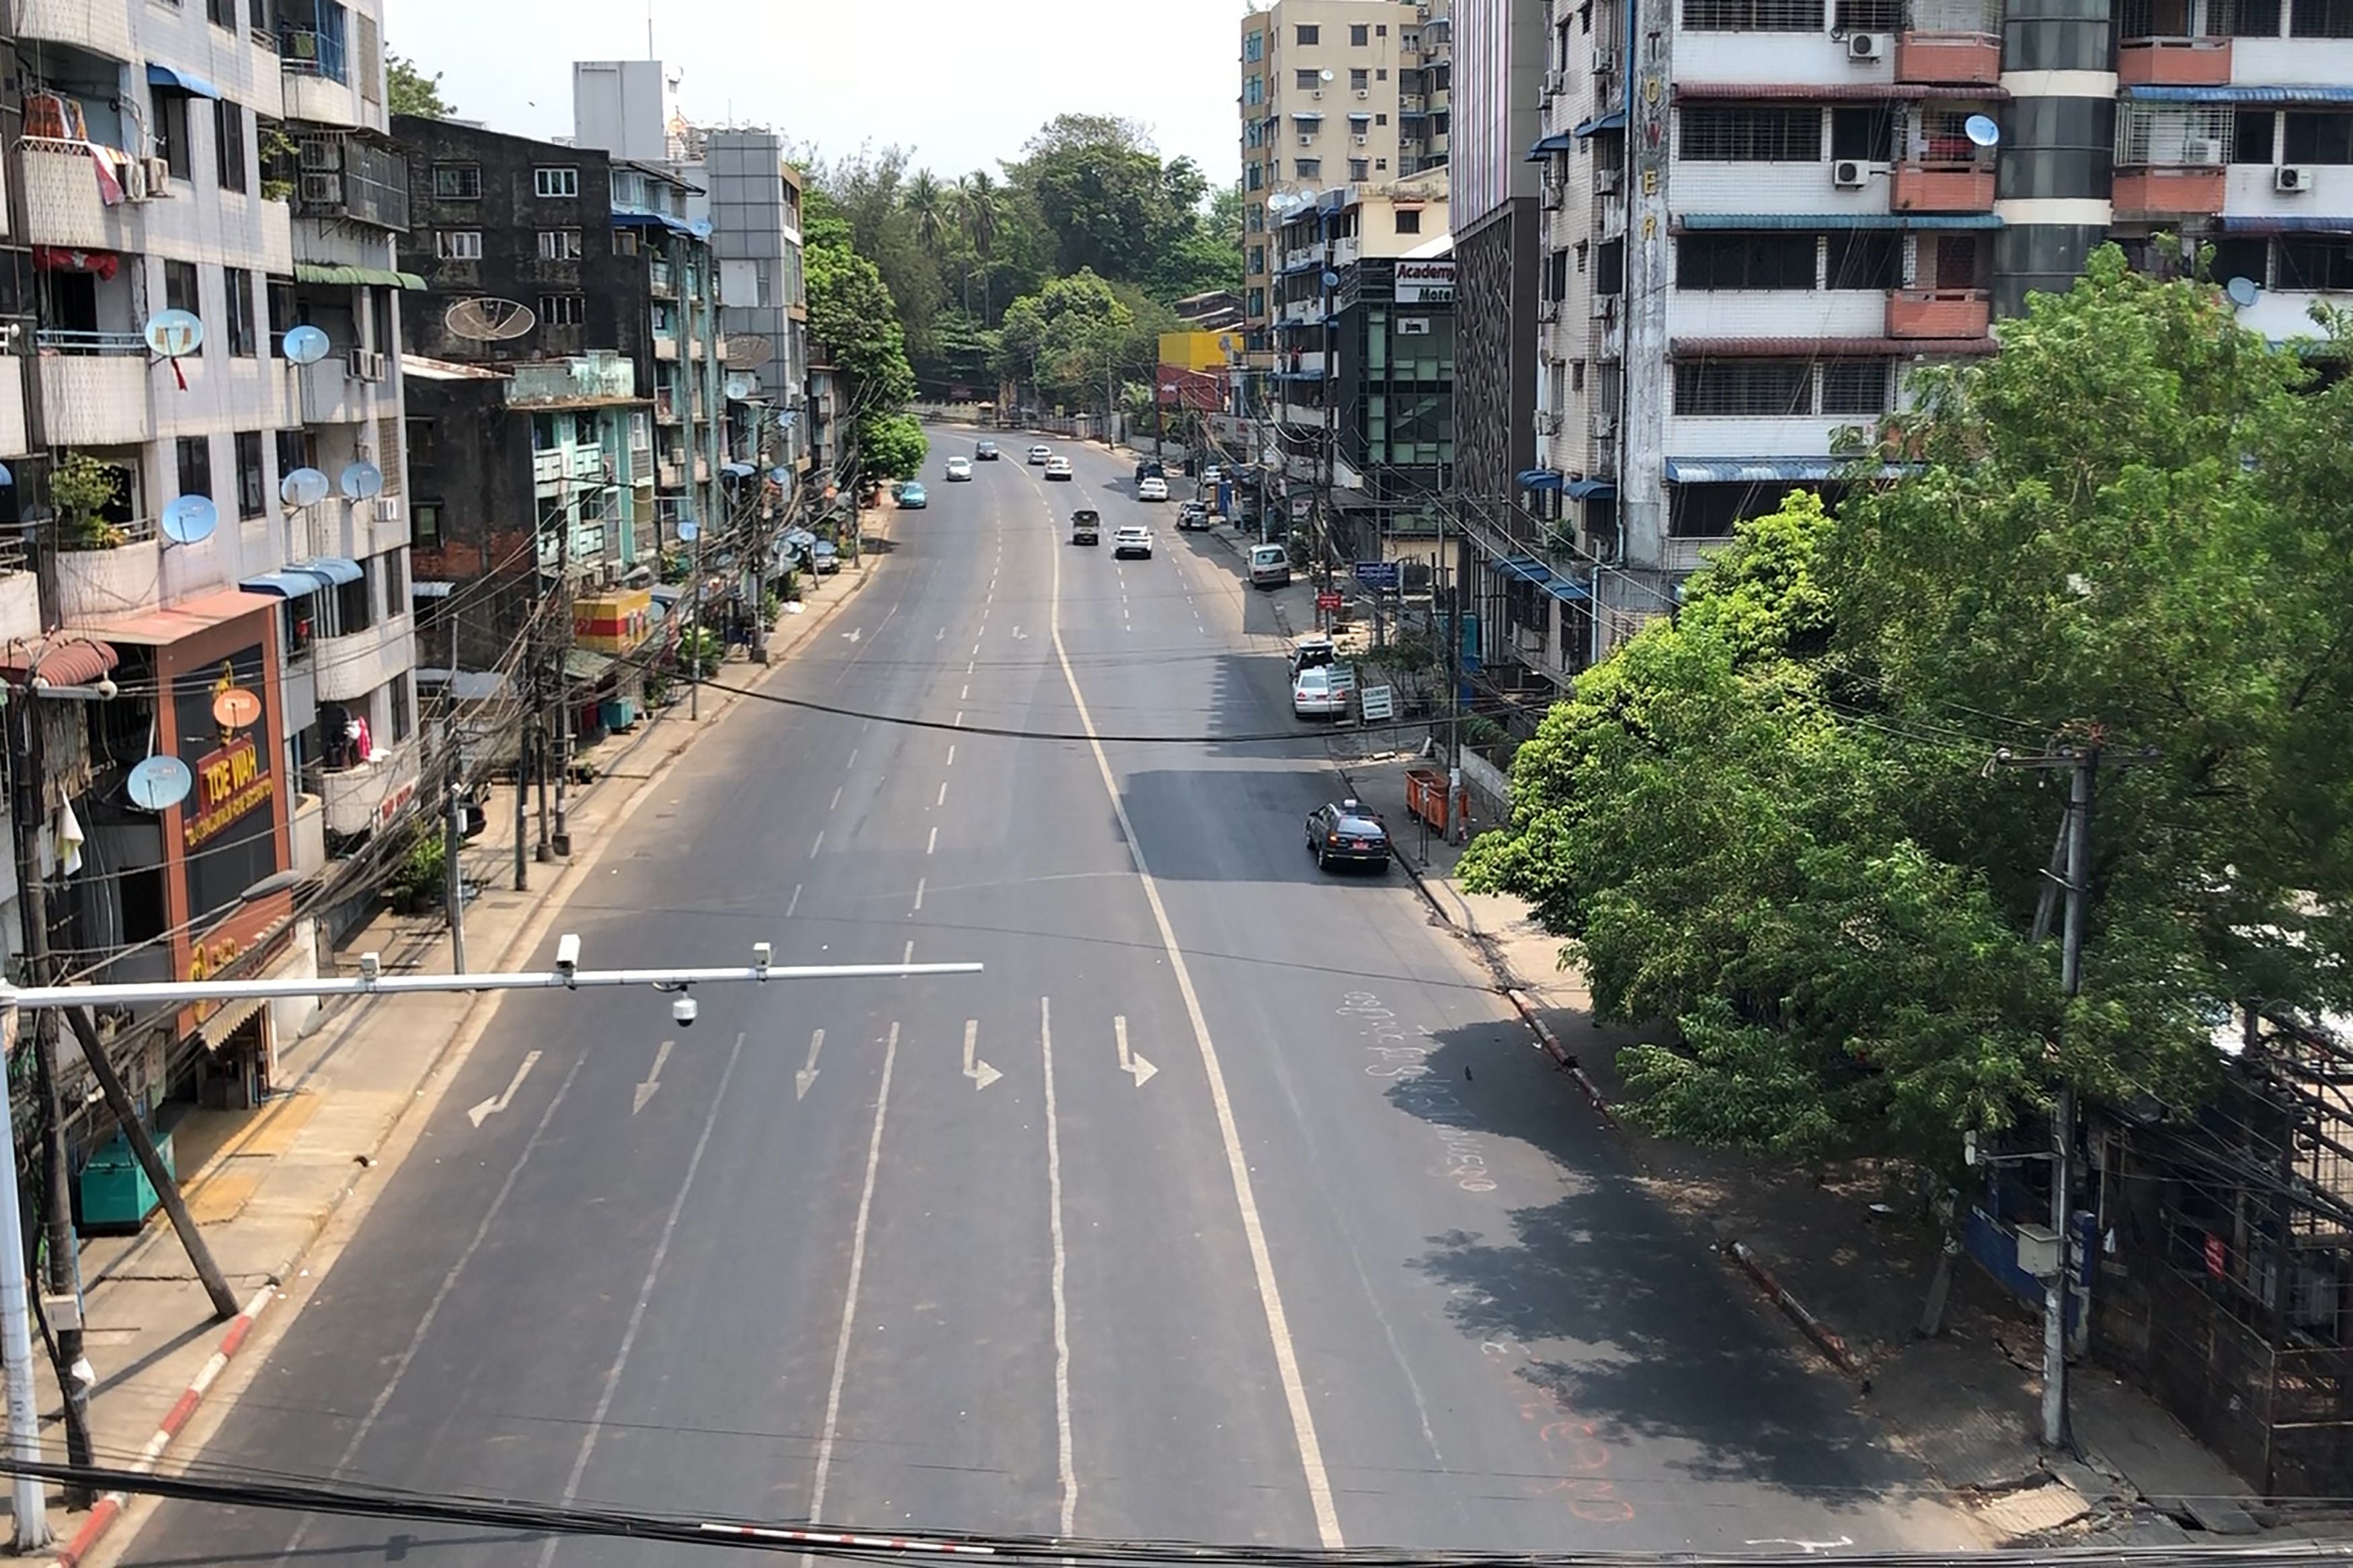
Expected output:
(59, 258)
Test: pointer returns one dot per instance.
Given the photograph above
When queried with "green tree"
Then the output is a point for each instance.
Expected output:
(893, 448)
(1072, 340)
(853, 317)
(408, 90)
(1770, 828)
(1109, 203)
(925, 202)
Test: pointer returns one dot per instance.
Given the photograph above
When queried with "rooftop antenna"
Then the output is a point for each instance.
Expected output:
(488, 321)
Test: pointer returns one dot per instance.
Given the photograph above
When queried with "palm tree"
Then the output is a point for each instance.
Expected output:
(978, 204)
(925, 205)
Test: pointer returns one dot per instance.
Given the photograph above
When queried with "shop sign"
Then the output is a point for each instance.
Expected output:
(230, 781)
(1425, 282)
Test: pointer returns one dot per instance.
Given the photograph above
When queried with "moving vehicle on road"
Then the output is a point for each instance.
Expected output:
(986, 451)
(1039, 453)
(1269, 566)
(959, 468)
(1151, 488)
(824, 559)
(912, 497)
(1192, 514)
(1315, 694)
(1345, 834)
(1057, 467)
(1212, 476)
(1132, 540)
(1149, 469)
(1085, 526)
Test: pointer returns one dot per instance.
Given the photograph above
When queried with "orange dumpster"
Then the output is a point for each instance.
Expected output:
(1425, 796)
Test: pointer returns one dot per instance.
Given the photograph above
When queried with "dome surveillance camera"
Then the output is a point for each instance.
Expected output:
(682, 1012)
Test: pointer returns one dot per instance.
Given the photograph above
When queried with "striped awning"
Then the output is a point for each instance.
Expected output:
(1749, 221)
(2314, 93)
(1767, 470)
(1836, 92)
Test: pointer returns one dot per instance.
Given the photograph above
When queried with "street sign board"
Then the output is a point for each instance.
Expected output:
(1299, 509)
(1327, 601)
(1381, 574)
(1379, 704)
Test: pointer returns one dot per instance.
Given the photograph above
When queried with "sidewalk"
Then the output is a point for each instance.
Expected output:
(1852, 1247)
(264, 1184)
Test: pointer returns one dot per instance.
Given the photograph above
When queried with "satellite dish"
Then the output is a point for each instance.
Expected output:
(159, 783)
(235, 708)
(787, 418)
(7, 477)
(747, 351)
(740, 387)
(303, 487)
(173, 334)
(1328, 73)
(188, 521)
(1331, 278)
(487, 320)
(1981, 130)
(304, 345)
(362, 481)
(2242, 291)
(689, 530)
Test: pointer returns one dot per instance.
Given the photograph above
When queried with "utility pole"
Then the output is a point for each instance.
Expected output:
(453, 832)
(522, 743)
(563, 839)
(694, 621)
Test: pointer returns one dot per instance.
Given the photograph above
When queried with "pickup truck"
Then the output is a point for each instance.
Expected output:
(1085, 526)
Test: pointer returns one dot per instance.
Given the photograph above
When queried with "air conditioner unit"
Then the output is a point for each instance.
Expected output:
(1605, 62)
(1306, 139)
(324, 189)
(1866, 47)
(2288, 177)
(1318, 94)
(12, 337)
(1547, 423)
(1548, 197)
(365, 364)
(1363, 93)
(1554, 82)
(1605, 180)
(159, 176)
(1850, 173)
(1604, 426)
(1548, 311)
(1528, 639)
(135, 181)
(2202, 149)
(1604, 307)
(1363, 140)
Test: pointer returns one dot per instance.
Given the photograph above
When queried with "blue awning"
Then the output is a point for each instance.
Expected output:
(179, 80)
(2229, 94)
(1592, 490)
(1768, 470)
(1528, 569)
(1539, 479)
(2286, 224)
(737, 470)
(1558, 142)
(333, 568)
(653, 220)
(1836, 220)
(287, 585)
(1613, 120)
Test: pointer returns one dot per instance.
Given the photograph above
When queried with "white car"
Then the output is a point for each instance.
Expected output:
(1212, 474)
(1057, 467)
(1315, 694)
(1132, 540)
(1152, 489)
(1038, 454)
(959, 468)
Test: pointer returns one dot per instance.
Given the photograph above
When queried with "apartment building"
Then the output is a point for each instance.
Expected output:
(217, 521)
(1333, 93)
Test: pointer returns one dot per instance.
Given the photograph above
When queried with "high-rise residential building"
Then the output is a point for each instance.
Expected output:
(1763, 215)
(1333, 93)
(214, 513)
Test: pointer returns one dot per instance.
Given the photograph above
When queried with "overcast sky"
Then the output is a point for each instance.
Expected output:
(962, 84)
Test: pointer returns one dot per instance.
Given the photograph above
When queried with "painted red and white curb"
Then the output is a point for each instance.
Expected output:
(1831, 1344)
(108, 1508)
(1559, 1053)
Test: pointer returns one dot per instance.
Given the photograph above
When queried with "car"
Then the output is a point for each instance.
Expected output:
(1269, 566)
(1192, 514)
(1086, 526)
(959, 468)
(912, 497)
(1150, 468)
(824, 559)
(1213, 476)
(1313, 651)
(1057, 467)
(986, 451)
(1132, 540)
(1315, 694)
(1345, 834)
(1039, 453)
(1152, 489)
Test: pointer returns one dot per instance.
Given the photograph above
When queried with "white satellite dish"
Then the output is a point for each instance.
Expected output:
(2244, 291)
(159, 783)
(1981, 129)
(739, 388)
(305, 345)
(1328, 73)
(362, 481)
(487, 320)
(173, 334)
(303, 487)
(689, 530)
(189, 520)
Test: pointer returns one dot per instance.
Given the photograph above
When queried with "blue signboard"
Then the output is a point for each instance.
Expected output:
(1381, 574)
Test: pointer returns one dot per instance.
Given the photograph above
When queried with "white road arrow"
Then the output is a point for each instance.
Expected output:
(1020, 636)
(1135, 1066)
(980, 1072)
(854, 633)
(808, 1075)
(645, 1090)
(491, 1107)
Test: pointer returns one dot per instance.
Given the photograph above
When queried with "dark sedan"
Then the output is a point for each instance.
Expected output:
(1346, 834)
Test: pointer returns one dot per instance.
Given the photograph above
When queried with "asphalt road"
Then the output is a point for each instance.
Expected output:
(1229, 1204)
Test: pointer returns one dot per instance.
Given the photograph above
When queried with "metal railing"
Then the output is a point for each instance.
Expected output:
(60, 340)
(303, 51)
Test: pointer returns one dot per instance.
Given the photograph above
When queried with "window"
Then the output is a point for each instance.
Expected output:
(282, 319)
(1610, 267)
(1253, 48)
(2251, 136)
(1731, 261)
(559, 245)
(1408, 220)
(1360, 34)
(563, 309)
(1557, 275)
(222, 14)
(1360, 80)
(194, 455)
(1359, 169)
(1257, 258)
(228, 142)
(1856, 385)
(171, 131)
(1380, 120)
(1869, 17)
(2318, 138)
(1866, 261)
(1307, 168)
(1867, 133)
(237, 290)
(1308, 33)
(354, 605)
(1753, 16)
(1305, 79)
(556, 182)
(1751, 133)
(457, 181)
(457, 243)
(180, 288)
(396, 580)
(2321, 19)
(1254, 91)
(250, 486)
(1750, 386)
(2313, 264)
(420, 440)
(425, 525)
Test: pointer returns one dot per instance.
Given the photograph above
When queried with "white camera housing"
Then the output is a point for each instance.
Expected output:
(567, 954)
(682, 1012)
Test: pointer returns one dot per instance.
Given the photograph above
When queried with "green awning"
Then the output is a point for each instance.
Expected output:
(314, 272)
(583, 666)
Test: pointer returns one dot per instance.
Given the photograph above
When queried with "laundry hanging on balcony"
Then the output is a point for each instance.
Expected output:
(61, 258)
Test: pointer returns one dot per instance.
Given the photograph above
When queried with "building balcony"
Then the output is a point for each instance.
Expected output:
(567, 462)
(363, 797)
(355, 663)
(61, 201)
(102, 30)
(1949, 60)
(2164, 193)
(1941, 188)
(94, 388)
(20, 597)
(665, 347)
(665, 282)
(1939, 313)
(344, 178)
(98, 585)
(2174, 62)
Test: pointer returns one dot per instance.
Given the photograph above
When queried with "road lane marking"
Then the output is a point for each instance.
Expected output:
(950, 755)
(909, 956)
(968, 664)
(944, 794)
(837, 798)
(808, 1075)
(830, 1432)
(959, 719)
(1134, 1066)
(819, 845)
(1065, 1450)
(934, 844)
(980, 1072)
(919, 893)
(854, 758)
(1278, 1323)
(645, 1092)
(644, 1298)
(796, 903)
(497, 1102)
(965, 695)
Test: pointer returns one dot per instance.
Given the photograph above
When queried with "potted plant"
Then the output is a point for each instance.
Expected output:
(278, 163)
(417, 887)
(82, 488)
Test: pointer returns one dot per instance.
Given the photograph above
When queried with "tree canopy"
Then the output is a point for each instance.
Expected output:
(408, 90)
(855, 322)
(1771, 827)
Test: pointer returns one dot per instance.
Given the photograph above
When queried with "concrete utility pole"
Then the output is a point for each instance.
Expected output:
(562, 842)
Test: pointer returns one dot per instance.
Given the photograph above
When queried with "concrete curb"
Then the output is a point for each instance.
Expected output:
(1551, 1043)
(108, 1508)
(1828, 1343)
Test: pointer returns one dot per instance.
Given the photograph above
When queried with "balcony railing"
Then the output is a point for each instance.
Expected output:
(2173, 62)
(1941, 187)
(665, 282)
(344, 178)
(305, 52)
(1938, 313)
(1949, 58)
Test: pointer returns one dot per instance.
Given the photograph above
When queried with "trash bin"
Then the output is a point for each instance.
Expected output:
(1425, 796)
(115, 1193)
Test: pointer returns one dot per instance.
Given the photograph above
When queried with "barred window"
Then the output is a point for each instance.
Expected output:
(1753, 16)
(2316, 138)
(2243, 18)
(2163, 135)
(2315, 264)
(1870, 15)
(1724, 261)
(1866, 261)
(1856, 385)
(2321, 19)
(1750, 386)
(1751, 133)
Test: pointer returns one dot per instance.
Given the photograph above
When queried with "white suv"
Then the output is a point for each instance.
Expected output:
(1131, 540)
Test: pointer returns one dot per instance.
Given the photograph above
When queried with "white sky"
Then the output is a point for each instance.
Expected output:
(962, 82)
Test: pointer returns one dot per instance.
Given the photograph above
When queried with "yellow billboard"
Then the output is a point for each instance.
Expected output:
(1193, 351)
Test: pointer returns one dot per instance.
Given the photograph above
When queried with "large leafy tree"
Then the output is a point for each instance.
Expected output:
(853, 317)
(1769, 828)
(408, 90)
